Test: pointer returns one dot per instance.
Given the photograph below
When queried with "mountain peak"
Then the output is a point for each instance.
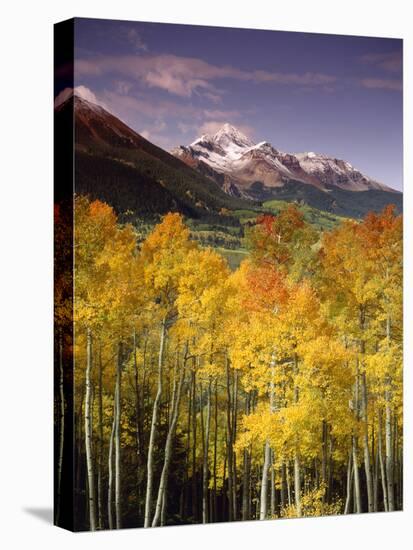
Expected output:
(83, 99)
(229, 133)
(228, 129)
(232, 153)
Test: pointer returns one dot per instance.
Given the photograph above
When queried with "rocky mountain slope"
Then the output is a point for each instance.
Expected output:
(223, 172)
(115, 164)
(238, 165)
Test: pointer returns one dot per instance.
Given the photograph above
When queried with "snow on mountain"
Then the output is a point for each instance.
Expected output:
(232, 140)
(331, 171)
(243, 162)
(230, 158)
(84, 99)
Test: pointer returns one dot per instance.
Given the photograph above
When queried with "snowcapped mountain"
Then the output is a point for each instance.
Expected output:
(114, 163)
(238, 164)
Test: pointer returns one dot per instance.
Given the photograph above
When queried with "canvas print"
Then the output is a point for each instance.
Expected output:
(228, 275)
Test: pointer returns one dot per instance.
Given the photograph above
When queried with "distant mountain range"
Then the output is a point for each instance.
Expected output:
(224, 171)
(239, 164)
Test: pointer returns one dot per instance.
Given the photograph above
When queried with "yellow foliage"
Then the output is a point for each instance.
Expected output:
(313, 504)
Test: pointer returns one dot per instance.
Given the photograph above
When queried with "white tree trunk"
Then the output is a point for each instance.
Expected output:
(287, 477)
(100, 458)
(381, 461)
(230, 445)
(234, 435)
(154, 427)
(297, 484)
(388, 433)
(264, 482)
(367, 461)
(245, 472)
(118, 496)
(160, 502)
(88, 436)
(267, 450)
(205, 460)
(357, 493)
(297, 467)
(354, 448)
(272, 492)
(110, 468)
(389, 453)
(350, 474)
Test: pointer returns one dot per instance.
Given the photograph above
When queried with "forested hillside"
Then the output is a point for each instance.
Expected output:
(115, 164)
(337, 201)
(204, 394)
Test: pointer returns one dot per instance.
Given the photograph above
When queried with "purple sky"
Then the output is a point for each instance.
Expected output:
(337, 95)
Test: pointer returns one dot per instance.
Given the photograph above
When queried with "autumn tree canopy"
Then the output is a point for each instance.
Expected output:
(204, 395)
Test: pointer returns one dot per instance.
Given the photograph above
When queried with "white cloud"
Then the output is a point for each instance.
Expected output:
(186, 76)
(216, 113)
(122, 87)
(86, 93)
(382, 84)
(147, 106)
(391, 62)
(185, 128)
